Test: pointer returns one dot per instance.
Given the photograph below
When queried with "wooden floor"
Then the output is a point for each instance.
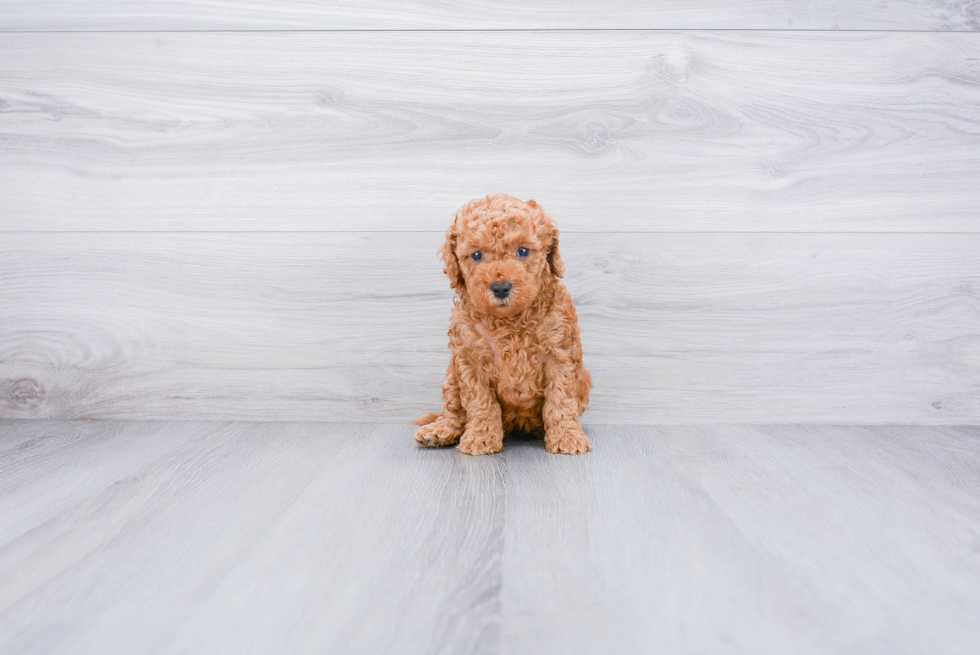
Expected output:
(145, 537)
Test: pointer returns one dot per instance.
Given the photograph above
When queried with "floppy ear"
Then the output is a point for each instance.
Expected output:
(450, 265)
(555, 263)
(554, 256)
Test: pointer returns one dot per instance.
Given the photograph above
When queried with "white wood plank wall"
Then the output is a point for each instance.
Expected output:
(101, 15)
(766, 216)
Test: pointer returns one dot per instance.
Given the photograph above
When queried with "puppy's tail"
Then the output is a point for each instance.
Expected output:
(425, 419)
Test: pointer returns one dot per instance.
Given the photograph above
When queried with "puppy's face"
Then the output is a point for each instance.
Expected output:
(504, 250)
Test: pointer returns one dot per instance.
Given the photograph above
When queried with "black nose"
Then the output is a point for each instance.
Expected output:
(501, 289)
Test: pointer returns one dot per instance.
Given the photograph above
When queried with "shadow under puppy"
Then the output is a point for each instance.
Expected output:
(516, 363)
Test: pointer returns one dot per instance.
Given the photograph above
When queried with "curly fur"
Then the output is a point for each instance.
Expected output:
(516, 363)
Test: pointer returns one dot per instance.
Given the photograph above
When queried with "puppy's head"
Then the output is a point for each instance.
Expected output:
(500, 252)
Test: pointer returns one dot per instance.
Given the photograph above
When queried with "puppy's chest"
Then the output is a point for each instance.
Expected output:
(514, 361)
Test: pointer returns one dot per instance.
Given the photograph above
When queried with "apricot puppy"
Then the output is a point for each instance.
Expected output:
(516, 362)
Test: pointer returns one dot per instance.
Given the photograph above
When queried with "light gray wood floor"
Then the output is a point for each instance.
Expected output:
(143, 537)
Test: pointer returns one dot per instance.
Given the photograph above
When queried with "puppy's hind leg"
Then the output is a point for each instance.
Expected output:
(444, 431)
(445, 428)
(425, 419)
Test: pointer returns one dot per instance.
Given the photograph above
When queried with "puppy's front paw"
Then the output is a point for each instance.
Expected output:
(568, 439)
(439, 433)
(481, 442)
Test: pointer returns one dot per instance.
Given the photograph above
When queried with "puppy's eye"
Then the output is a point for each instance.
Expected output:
(477, 256)
(523, 252)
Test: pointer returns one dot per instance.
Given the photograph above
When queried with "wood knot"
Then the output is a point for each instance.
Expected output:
(596, 138)
(23, 393)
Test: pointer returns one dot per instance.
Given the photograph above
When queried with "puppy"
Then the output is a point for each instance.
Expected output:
(516, 362)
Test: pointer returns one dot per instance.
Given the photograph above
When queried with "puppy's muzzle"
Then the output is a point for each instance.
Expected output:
(501, 289)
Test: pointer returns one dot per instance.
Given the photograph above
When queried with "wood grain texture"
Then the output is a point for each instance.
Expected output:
(231, 538)
(499, 14)
(677, 328)
(745, 539)
(610, 131)
(175, 537)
